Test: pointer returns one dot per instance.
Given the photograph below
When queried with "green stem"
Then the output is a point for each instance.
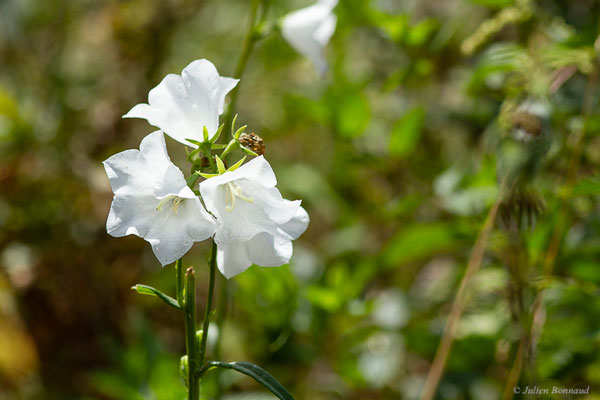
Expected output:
(190, 333)
(211, 289)
(249, 41)
(179, 282)
(211, 161)
(221, 316)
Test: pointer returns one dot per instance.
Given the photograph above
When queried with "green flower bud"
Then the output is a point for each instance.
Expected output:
(184, 369)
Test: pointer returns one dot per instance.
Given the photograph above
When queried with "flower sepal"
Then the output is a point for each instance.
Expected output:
(221, 168)
(215, 136)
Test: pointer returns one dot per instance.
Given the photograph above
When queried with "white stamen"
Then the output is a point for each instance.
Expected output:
(174, 204)
(231, 193)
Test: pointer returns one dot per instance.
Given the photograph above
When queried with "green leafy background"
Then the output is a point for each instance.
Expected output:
(397, 154)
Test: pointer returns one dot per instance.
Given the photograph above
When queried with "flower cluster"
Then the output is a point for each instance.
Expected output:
(239, 207)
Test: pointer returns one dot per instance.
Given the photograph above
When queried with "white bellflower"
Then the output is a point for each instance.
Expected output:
(181, 106)
(256, 224)
(152, 200)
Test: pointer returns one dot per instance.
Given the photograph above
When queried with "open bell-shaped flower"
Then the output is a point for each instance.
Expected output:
(152, 200)
(257, 225)
(309, 29)
(181, 106)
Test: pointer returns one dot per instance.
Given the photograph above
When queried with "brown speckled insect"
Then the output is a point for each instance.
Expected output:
(253, 142)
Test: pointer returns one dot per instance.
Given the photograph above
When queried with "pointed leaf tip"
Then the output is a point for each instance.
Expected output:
(202, 174)
(220, 165)
(233, 124)
(239, 132)
(237, 164)
(258, 374)
(150, 291)
(217, 134)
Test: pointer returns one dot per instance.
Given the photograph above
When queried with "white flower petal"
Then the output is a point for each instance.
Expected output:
(270, 251)
(233, 259)
(153, 201)
(308, 30)
(207, 87)
(173, 184)
(297, 225)
(257, 224)
(183, 105)
(263, 250)
(173, 232)
(128, 215)
(277, 209)
(240, 223)
(263, 209)
(133, 168)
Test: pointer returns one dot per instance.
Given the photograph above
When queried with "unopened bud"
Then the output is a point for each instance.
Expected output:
(184, 369)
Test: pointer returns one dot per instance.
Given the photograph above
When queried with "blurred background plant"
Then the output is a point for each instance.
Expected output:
(398, 153)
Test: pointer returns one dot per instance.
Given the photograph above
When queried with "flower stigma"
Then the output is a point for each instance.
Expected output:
(174, 205)
(231, 193)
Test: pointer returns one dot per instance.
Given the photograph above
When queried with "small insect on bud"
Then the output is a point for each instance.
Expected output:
(253, 142)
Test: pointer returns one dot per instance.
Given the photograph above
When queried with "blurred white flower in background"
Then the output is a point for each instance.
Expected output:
(309, 29)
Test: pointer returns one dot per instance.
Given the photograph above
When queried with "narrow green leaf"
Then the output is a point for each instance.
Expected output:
(248, 151)
(207, 175)
(258, 374)
(205, 133)
(220, 165)
(231, 146)
(193, 141)
(217, 134)
(239, 132)
(150, 291)
(192, 153)
(233, 124)
(237, 164)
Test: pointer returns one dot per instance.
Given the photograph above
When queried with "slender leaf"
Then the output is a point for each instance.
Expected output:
(150, 291)
(193, 141)
(258, 374)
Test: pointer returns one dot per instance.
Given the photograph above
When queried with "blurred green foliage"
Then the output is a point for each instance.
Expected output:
(397, 154)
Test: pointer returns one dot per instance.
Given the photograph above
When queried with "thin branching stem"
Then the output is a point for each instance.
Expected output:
(458, 305)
